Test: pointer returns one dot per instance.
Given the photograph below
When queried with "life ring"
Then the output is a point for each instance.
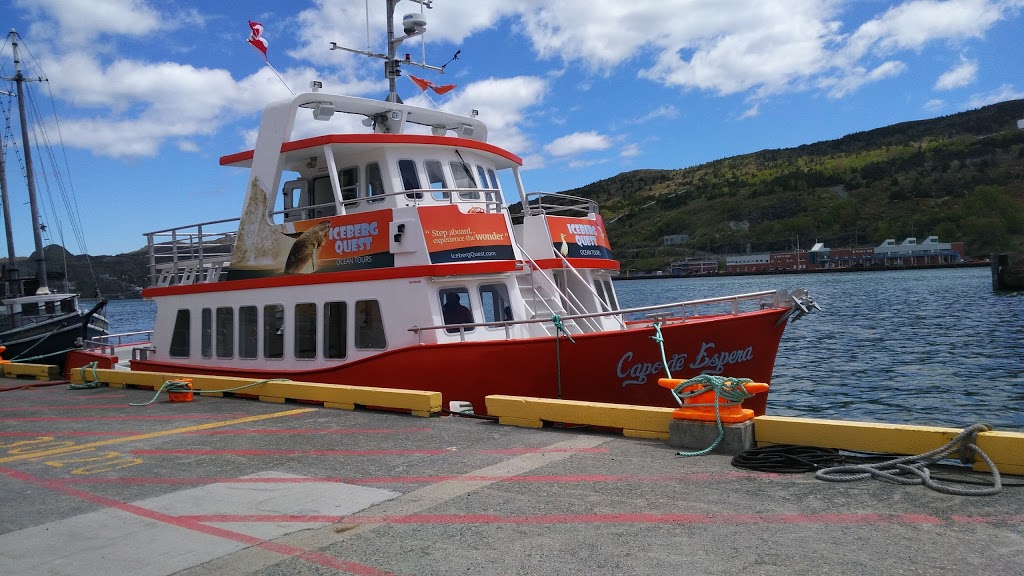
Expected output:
(476, 210)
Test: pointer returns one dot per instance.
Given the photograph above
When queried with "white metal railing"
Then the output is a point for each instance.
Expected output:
(538, 203)
(109, 343)
(665, 313)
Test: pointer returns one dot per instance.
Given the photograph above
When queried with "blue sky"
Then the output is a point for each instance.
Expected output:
(150, 94)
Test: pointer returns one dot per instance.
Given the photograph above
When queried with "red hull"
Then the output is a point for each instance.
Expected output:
(620, 367)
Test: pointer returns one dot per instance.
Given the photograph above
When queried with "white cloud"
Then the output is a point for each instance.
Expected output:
(630, 151)
(961, 75)
(934, 105)
(857, 77)
(668, 111)
(1001, 94)
(578, 142)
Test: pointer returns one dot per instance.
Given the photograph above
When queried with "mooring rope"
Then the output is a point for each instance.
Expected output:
(184, 386)
(88, 384)
(725, 387)
(912, 470)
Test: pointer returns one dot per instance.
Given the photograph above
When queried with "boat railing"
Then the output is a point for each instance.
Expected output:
(665, 314)
(190, 254)
(541, 203)
(575, 307)
(108, 344)
(566, 265)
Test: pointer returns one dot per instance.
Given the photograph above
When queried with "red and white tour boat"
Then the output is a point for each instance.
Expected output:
(389, 258)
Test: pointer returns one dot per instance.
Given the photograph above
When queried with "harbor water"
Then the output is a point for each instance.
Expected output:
(929, 347)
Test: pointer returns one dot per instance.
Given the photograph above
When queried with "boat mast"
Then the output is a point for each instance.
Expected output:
(12, 265)
(37, 233)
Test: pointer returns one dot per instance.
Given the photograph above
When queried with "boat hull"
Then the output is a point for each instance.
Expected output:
(49, 342)
(621, 366)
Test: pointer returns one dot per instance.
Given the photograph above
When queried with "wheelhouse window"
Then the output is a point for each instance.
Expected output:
(496, 304)
(369, 325)
(225, 332)
(181, 335)
(493, 195)
(436, 179)
(305, 330)
(207, 333)
(321, 201)
(611, 294)
(410, 178)
(273, 331)
(248, 332)
(349, 180)
(463, 175)
(374, 183)
(335, 329)
(455, 308)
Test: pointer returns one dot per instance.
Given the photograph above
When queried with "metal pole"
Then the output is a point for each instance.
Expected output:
(37, 233)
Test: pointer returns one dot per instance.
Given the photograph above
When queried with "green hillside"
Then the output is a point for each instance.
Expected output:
(960, 177)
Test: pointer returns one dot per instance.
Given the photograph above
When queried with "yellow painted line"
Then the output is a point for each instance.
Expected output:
(635, 421)
(418, 402)
(1006, 449)
(108, 442)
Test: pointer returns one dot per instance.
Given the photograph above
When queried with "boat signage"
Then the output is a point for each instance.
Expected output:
(455, 236)
(708, 361)
(579, 237)
(354, 242)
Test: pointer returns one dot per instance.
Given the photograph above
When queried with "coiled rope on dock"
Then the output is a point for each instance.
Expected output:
(913, 470)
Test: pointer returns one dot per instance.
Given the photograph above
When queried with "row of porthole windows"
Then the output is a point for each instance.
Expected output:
(222, 336)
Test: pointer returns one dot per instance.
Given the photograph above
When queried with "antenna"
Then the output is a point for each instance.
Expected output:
(413, 25)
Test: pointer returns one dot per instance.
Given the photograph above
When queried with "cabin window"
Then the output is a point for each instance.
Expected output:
(410, 178)
(374, 182)
(349, 180)
(292, 194)
(435, 176)
(51, 308)
(181, 335)
(494, 184)
(305, 330)
(248, 332)
(495, 302)
(369, 325)
(335, 324)
(273, 331)
(464, 179)
(455, 308)
(321, 201)
(611, 295)
(602, 298)
(225, 332)
(30, 309)
(494, 196)
(67, 305)
(207, 333)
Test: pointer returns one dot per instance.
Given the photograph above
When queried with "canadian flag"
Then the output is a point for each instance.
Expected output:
(256, 38)
(424, 84)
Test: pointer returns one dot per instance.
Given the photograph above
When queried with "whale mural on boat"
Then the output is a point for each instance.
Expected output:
(329, 244)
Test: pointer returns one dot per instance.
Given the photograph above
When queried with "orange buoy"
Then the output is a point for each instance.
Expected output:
(179, 390)
(728, 412)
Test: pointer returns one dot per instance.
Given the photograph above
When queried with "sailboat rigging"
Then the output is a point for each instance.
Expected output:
(36, 324)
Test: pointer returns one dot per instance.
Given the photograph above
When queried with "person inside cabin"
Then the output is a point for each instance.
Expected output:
(454, 312)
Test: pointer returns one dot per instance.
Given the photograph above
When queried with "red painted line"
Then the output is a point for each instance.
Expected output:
(615, 518)
(118, 418)
(310, 556)
(314, 431)
(577, 478)
(433, 452)
(644, 518)
(40, 384)
(287, 452)
(66, 407)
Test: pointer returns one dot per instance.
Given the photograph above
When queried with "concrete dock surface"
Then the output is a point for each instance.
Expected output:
(90, 485)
